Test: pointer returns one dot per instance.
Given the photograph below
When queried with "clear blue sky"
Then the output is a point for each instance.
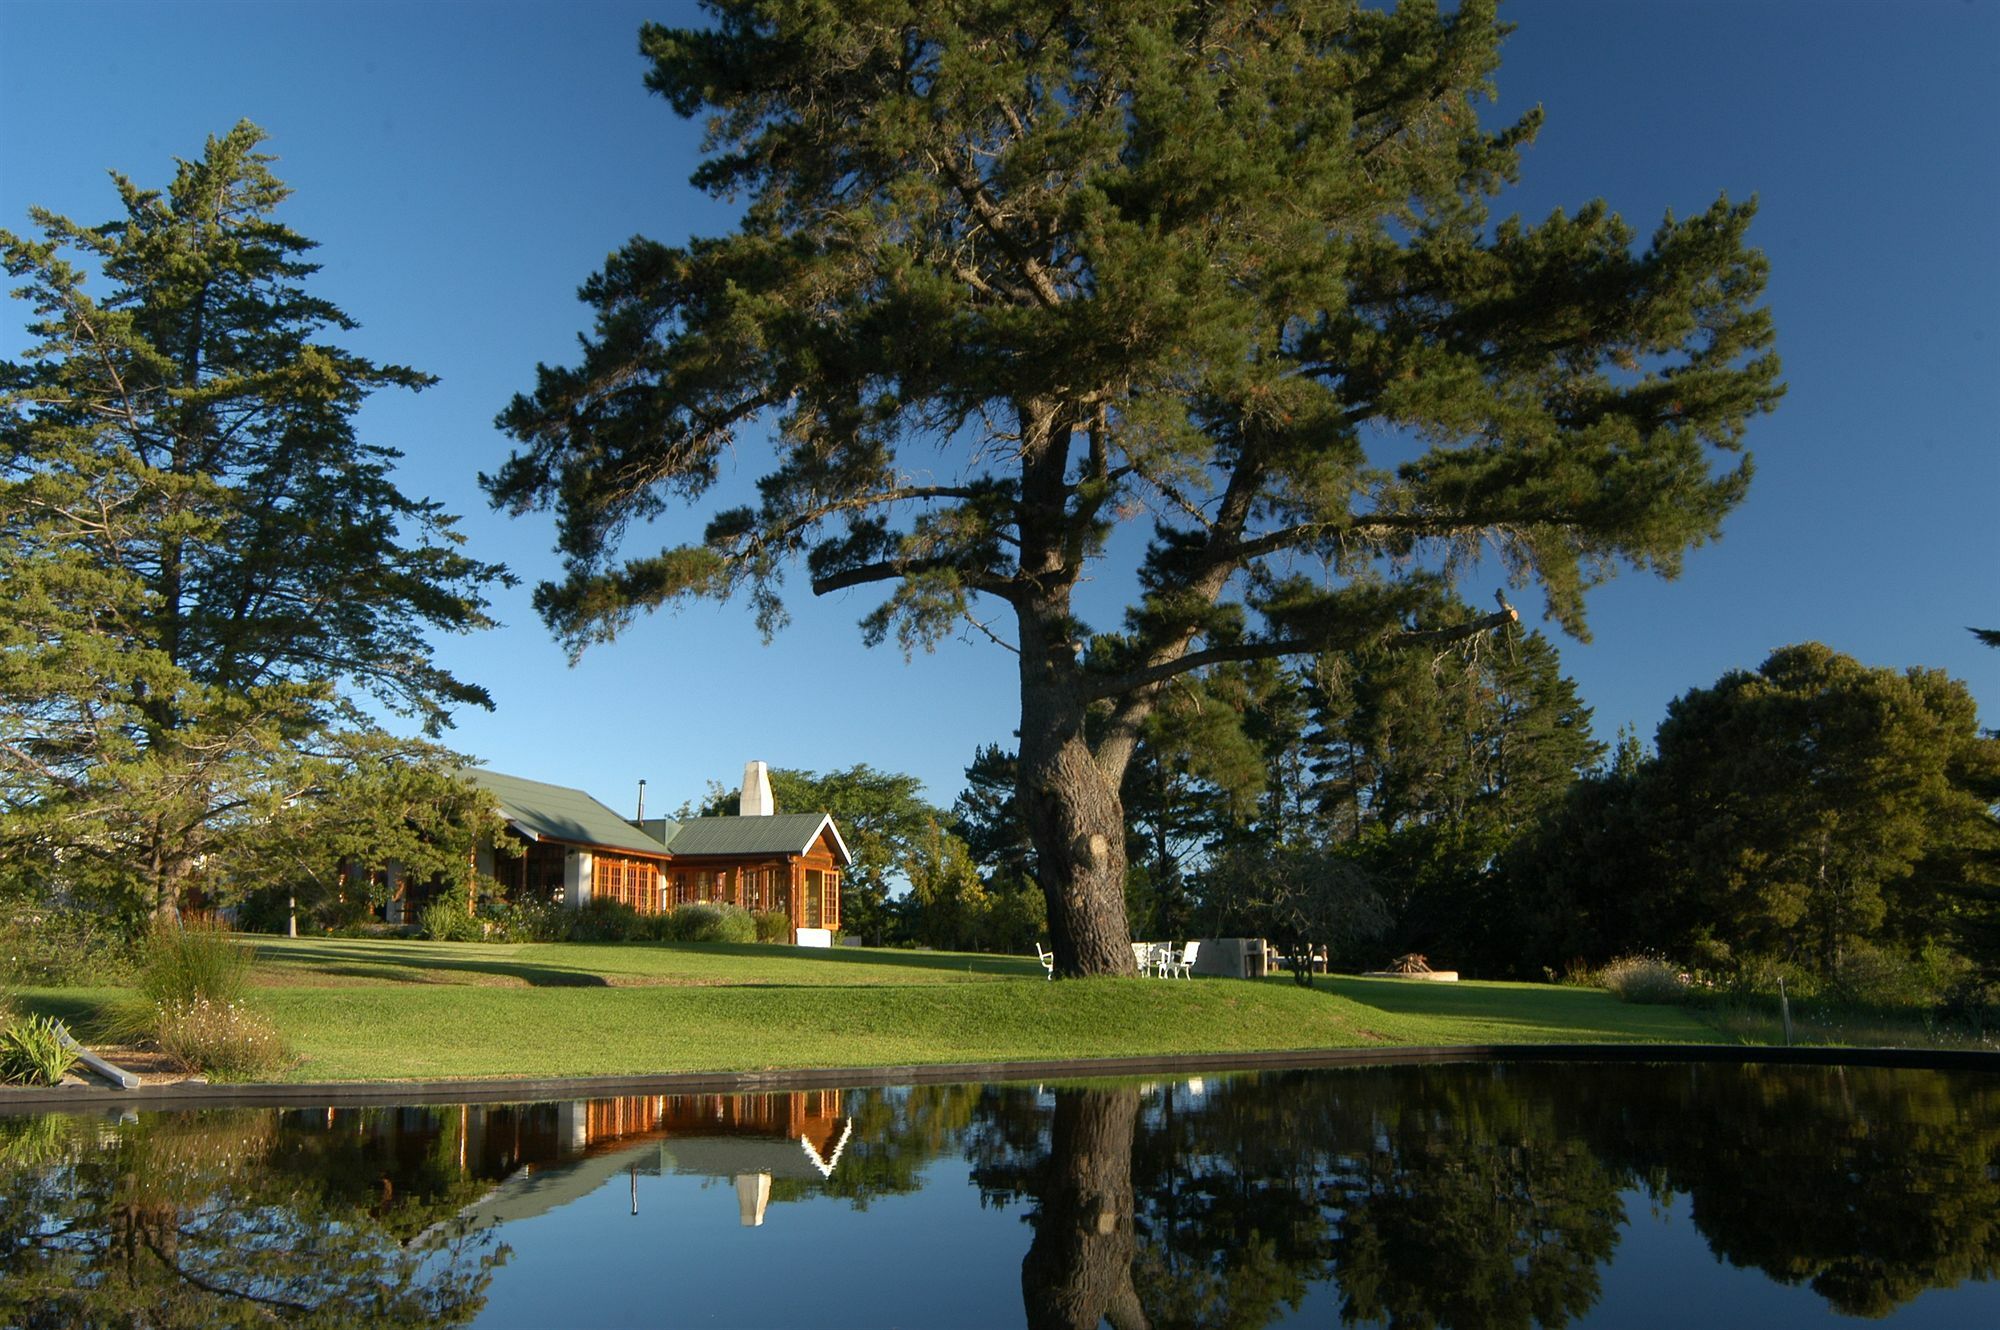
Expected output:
(465, 166)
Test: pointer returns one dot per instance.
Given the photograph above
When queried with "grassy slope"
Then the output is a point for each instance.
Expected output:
(365, 1010)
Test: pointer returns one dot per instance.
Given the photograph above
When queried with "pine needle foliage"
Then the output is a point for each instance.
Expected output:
(208, 572)
(1009, 277)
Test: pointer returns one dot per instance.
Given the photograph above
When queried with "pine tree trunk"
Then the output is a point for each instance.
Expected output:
(1077, 821)
(1078, 824)
(1068, 796)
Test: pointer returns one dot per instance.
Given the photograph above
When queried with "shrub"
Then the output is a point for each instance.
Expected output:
(447, 921)
(526, 921)
(1869, 976)
(1643, 979)
(608, 921)
(773, 926)
(707, 923)
(224, 1039)
(61, 948)
(32, 1052)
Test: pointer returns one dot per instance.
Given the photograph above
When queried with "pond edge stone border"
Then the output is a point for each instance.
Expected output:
(188, 1094)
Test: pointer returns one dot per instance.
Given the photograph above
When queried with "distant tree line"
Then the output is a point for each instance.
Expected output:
(1815, 813)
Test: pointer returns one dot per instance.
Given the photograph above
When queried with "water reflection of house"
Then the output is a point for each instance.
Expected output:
(750, 1140)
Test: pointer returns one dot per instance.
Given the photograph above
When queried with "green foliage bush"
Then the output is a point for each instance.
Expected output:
(1643, 979)
(706, 923)
(773, 926)
(52, 948)
(609, 921)
(1870, 976)
(446, 920)
(32, 1052)
(224, 1039)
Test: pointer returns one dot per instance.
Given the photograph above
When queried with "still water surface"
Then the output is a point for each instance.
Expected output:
(1460, 1196)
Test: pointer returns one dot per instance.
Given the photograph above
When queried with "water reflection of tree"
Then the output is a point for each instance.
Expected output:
(1868, 1184)
(1431, 1203)
(204, 1219)
(1078, 1271)
(1466, 1205)
(1488, 1195)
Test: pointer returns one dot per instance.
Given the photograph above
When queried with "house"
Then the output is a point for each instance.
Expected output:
(562, 845)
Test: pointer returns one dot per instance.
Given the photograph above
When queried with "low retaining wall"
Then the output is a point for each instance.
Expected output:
(516, 1090)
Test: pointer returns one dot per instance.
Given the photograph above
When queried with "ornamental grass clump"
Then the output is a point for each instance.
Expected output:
(33, 1052)
(448, 921)
(192, 981)
(224, 1039)
(1643, 979)
(193, 960)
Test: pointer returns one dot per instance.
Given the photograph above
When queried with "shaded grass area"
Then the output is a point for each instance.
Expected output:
(1815, 1023)
(308, 962)
(389, 1009)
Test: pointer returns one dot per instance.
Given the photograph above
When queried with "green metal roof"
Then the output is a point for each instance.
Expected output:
(784, 833)
(556, 812)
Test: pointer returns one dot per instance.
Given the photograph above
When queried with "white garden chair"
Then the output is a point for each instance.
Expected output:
(1142, 956)
(1182, 966)
(1048, 960)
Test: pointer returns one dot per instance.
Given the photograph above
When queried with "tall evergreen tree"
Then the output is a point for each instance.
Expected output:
(207, 573)
(1008, 277)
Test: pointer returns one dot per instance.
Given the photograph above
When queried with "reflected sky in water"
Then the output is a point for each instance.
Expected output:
(1465, 1196)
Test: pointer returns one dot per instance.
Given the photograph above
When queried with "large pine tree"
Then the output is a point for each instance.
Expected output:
(207, 573)
(1010, 276)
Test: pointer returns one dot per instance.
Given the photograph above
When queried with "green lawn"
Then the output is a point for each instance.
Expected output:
(393, 1009)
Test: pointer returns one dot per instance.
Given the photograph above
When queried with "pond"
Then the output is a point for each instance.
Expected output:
(1461, 1195)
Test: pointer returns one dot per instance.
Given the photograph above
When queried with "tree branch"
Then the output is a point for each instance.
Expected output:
(888, 570)
(1161, 671)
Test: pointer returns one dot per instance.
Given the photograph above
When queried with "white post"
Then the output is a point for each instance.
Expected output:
(576, 879)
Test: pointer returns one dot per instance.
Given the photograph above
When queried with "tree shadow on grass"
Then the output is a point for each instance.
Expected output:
(341, 958)
(956, 962)
(1580, 1012)
(77, 1011)
(402, 961)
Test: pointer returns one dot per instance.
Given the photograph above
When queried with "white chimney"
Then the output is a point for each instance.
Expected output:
(756, 800)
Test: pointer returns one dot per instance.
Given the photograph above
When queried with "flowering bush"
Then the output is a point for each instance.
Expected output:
(1643, 979)
(526, 921)
(195, 962)
(217, 1038)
